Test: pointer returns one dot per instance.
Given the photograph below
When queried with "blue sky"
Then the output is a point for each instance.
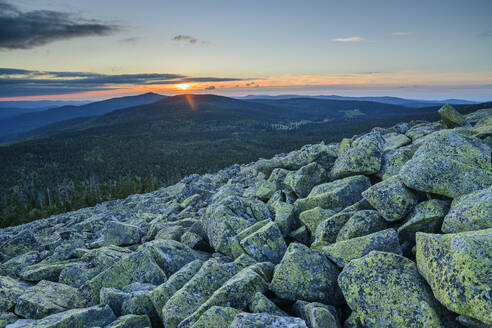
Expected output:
(416, 49)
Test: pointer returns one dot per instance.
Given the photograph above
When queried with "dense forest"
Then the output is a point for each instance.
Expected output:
(81, 168)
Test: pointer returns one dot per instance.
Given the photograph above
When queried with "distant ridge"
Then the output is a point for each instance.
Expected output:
(413, 103)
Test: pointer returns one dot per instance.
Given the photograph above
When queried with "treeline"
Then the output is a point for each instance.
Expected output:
(52, 175)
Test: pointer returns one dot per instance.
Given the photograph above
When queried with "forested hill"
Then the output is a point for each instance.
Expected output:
(142, 148)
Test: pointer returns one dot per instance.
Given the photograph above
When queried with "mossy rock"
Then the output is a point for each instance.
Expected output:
(386, 290)
(363, 157)
(458, 269)
(284, 217)
(7, 318)
(22, 243)
(470, 322)
(313, 217)
(327, 231)
(449, 164)
(139, 303)
(10, 291)
(47, 298)
(427, 216)
(334, 195)
(305, 274)
(362, 223)
(114, 298)
(317, 315)
(263, 320)
(353, 321)
(130, 321)
(121, 234)
(137, 267)
(43, 271)
(17, 264)
(304, 179)
(217, 317)
(300, 235)
(96, 316)
(470, 212)
(274, 183)
(391, 199)
(170, 255)
(343, 252)
(451, 117)
(211, 276)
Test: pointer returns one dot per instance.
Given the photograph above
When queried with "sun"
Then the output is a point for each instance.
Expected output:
(183, 86)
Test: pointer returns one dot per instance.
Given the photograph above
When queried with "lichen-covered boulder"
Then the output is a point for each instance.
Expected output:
(10, 291)
(265, 244)
(216, 316)
(449, 164)
(362, 223)
(22, 243)
(458, 267)
(468, 322)
(305, 274)
(470, 212)
(386, 290)
(262, 320)
(114, 298)
(313, 217)
(130, 321)
(42, 271)
(121, 234)
(317, 315)
(363, 157)
(211, 276)
(343, 252)
(393, 160)
(395, 140)
(259, 303)
(96, 316)
(162, 293)
(451, 117)
(274, 183)
(426, 217)
(327, 231)
(170, 255)
(237, 292)
(47, 298)
(136, 267)
(17, 264)
(391, 199)
(284, 217)
(334, 195)
(304, 179)
(7, 318)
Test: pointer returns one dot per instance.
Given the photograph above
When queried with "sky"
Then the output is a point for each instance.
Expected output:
(93, 49)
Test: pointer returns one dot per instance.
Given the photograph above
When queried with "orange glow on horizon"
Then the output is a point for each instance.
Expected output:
(183, 86)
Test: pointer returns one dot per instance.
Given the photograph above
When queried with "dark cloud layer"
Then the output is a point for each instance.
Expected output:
(185, 38)
(20, 82)
(25, 30)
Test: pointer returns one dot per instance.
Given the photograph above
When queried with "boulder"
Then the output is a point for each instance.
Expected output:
(470, 212)
(22, 243)
(313, 217)
(96, 316)
(261, 320)
(327, 231)
(334, 195)
(386, 290)
(10, 291)
(284, 217)
(360, 224)
(305, 274)
(7, 318)
(458, 269)
(47, 298)
(395, 140)
(363, 157)
(449, 164)
(391, 199)
(425, 217)
(393, 161)
(216, 316)
(342, 252)
(130, 321)
(259, 303)
(170, 255)
(121, 234)
(265, 244)
(42, 271)
(451, 117)
(304, 179)
(317, 315)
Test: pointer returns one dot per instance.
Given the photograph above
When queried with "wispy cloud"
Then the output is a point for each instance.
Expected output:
(486, 34)
(25, 30)
(350, 39)
(210, 88)
(401, 33)
(185, 38)
(131, 40)
(20, 82)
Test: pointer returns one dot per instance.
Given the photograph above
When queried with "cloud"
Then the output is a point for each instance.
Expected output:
(486, 34)
(131, 40)
(25, 30)
(185, 38)
(401, 33)
(21, 82)
(210, 88)
(350, 39)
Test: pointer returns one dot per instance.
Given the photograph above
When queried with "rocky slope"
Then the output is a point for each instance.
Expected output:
(388, 229)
